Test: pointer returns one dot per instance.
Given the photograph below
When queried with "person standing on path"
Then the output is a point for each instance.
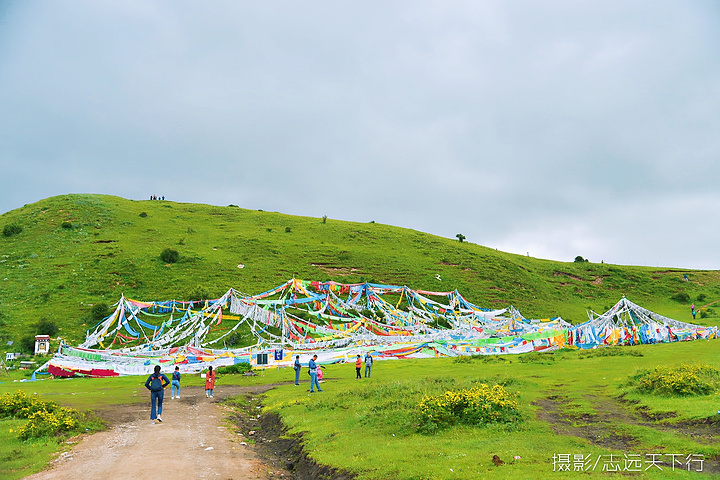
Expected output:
(358, 366)
(175, 387)
(156, 383)
(297, 368)
(209, 382)
(368, 364)
(313, 375)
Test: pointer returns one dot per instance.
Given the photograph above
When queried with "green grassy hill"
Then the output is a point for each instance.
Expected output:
(76, 251)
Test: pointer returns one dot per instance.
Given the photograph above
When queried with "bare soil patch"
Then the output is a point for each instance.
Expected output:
(610, 425)
(198, 438)
(276, 447)
(193, 441)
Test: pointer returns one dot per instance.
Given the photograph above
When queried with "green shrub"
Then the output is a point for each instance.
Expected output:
(20, 405)
(169, 256)
(684, 380)
(681, 297)
(701, 297)
(478, 405)
(200, 292)
(27, 344)
(66, 225)
(46, 327)
(44, 423)
(143, 214)
(288, 229)
(12, 229)
(99, 311)
(238, 368)
(614, 351)
(707, 312)
(45, 418)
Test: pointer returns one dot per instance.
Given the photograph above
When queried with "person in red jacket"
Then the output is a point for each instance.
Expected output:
(358, 366)
(209, 382)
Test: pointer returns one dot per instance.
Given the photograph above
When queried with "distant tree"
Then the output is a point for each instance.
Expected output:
(46, 327)
(27, 344)
(12, 229)
(324, 218)
(170, 256)
(579, 259)
(288, 229)
(681, 297)
(460, 237)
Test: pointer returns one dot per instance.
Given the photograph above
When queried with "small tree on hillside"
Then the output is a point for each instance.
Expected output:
(579, 259)
(460, 237)
(99, 311)
(170, 256)
(46, 327)
(12, 229)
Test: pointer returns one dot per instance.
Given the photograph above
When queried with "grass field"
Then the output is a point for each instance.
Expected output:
(573, 403)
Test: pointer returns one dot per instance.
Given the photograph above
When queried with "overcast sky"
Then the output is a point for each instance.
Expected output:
(554, 128)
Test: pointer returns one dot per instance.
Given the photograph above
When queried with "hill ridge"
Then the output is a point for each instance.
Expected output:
(79, 250)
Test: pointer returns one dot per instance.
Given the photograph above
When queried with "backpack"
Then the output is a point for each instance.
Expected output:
(156, 382)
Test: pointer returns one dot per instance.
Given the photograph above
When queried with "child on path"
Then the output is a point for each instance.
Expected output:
(297, 368)
(692, 308)
(358, 366)
(319, 373)
(156, 383)
(175, 387)
(209, 382)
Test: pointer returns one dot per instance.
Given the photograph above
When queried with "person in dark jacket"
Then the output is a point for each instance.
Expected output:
(297, 366)
(156, 383)
(368, 364)
(312, 366)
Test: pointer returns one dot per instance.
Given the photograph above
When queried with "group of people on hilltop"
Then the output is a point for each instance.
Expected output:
(157, 382)
(316, 374)
(157, 197)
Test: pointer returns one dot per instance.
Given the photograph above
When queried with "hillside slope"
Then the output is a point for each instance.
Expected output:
(76, 251)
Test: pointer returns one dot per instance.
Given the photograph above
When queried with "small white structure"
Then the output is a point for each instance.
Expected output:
(11, 356)
(42, 344)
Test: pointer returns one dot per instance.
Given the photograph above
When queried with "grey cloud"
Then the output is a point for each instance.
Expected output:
(528, 126)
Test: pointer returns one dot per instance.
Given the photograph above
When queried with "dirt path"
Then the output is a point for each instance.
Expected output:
(193, 441)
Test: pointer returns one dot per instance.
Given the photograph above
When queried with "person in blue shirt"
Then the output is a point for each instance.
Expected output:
(368, 364)
(156, 383)
(313, 374)
(297, 368)
(175, 387)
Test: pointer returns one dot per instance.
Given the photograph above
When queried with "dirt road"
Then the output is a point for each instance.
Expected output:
(193, 441)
